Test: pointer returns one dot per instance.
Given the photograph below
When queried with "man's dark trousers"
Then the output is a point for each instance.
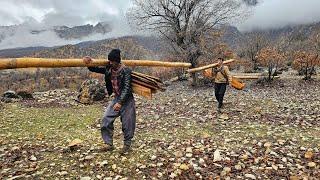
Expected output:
(128, 119)
(219, 91)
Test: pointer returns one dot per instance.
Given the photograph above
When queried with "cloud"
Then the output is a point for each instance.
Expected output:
(278, 13)
(52, 11)
(44, 14)
(38, 15)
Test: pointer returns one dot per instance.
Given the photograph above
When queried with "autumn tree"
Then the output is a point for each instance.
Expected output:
(185, 22)
(305, 63)
(308, 58)
(272, 59)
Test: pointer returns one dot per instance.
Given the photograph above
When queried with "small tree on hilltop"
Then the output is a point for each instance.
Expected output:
(272, 59)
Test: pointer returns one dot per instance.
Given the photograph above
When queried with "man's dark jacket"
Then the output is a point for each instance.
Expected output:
(124, 79)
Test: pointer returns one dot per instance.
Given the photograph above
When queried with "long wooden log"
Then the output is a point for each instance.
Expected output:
(208, 66)
(208, 73)
(13, 63)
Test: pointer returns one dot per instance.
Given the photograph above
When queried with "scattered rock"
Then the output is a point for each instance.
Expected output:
(90, 91)
(10, 94)
(85, 178)
(74, 143)
(238, 167)
(189, 149)
(184, 167)
(33, 158)
(216, 156)
(312, 164)
(89, 157)
(250, 176)
(25, 94)
(308, 155)
(153, 157)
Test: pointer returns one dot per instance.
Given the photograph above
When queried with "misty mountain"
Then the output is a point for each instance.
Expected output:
(63, 32)
(132, 47)
(78, 32)
(21, 52)
(150, 44)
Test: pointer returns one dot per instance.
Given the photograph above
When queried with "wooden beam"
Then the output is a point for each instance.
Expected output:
(208, 66)
(248, 77)
(13, 63)
(208, 73)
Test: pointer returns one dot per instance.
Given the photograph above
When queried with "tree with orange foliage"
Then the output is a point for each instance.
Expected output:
(272, 59)
(305, 63)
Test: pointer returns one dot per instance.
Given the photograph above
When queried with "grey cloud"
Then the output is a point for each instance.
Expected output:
(44, 14)
(279, 13)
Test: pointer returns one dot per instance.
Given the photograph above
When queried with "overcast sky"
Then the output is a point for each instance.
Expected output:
(278, 13)
(61, 12)
(269, 13)
(38, 14)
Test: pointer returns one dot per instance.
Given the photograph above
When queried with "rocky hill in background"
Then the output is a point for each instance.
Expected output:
(63, 32)
(150, 45)
(132, 47)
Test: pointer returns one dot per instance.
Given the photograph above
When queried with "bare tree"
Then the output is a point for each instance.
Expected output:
(254, 42)
(185, 22)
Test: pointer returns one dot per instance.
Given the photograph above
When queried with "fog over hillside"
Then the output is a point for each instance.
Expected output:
(35, 23)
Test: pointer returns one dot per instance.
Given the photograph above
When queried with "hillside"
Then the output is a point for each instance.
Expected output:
(132, 48)
(265, 133)
(153, 45)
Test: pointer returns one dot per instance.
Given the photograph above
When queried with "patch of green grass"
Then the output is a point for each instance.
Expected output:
(60, 124)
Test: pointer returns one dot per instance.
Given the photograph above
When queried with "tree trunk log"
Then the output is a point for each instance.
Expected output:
(56, 63)
(208, 66)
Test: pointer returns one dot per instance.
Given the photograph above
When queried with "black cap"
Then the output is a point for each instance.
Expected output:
(114, 55)
(221, 58)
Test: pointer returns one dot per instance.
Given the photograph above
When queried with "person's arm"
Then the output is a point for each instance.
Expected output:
(126, 89)
(100, 70)
(228, 74)
(88, 60)
(214, 72)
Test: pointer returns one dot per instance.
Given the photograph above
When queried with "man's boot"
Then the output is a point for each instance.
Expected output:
(126, 149)
(108, 147)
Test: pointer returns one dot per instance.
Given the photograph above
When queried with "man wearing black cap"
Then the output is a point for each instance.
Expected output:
(222, 78)
(118, 81)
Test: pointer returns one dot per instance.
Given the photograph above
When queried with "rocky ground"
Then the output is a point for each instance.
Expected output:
(264, 132)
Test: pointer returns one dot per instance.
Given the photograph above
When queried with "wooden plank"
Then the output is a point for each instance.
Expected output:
(253, 77)
(13, 63)
(146, 75)
(144, 79)
(142, 91)
(209, 66)
(144, 84)
(208, 73)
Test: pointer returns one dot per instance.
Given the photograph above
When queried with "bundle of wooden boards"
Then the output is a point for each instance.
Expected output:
(146, 85)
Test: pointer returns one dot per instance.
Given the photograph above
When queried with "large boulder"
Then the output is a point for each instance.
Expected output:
(10, 96)
(90, 91)
(24, 94)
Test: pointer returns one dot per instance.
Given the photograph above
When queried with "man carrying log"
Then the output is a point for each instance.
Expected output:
(222, 78)
(118, 81)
